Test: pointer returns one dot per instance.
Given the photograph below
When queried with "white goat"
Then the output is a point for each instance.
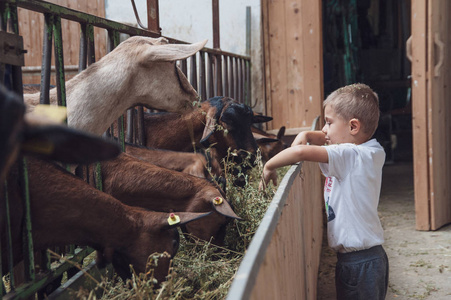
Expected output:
(141, 70)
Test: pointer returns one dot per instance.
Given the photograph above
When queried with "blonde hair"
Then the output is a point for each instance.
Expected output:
(357, 101)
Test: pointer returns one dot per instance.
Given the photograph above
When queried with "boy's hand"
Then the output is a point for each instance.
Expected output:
(301, 139)
(316, 137)
(267, 176)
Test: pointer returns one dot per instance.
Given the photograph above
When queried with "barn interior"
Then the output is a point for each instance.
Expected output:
(365, 41)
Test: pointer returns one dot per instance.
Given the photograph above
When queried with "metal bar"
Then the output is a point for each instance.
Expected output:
(193, 72)
(215, 18)
(27, 237)
(225, 76)
(218, 77)
(80, 17)
(91, 46)
(235, 78)
(184, 66)
(153, 16)
(202, 78)
(59, 62)
(83, 52)
(41, 280)
(210, 81)
(230, 76)
(243, 80)
(240, 81)
(9, 243)
(248, 98)
(248, 30)
(46, 59)
(129, 133)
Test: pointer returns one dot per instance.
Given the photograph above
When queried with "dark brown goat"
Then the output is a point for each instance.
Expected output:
(219, 122)
(269, 144)
(139, 183)
(66, 210)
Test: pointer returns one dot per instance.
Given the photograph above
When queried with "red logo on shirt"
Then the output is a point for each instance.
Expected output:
(328, 184)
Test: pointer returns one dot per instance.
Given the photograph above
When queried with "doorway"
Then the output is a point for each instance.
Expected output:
(364, 41)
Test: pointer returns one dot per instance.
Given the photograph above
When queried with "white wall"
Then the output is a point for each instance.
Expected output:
(191, 21)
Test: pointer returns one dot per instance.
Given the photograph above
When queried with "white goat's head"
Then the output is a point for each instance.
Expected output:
(149, 73)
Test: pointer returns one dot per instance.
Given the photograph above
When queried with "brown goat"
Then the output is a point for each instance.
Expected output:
(195, 164)
(66, 210)
(269, 144)
(139, 183)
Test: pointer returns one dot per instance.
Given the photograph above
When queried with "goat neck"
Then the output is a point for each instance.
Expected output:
(136, 72)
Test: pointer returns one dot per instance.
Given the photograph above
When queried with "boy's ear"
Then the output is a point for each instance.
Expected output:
(354, 125)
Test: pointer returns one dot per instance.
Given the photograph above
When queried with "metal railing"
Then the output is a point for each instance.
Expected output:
(211, 72)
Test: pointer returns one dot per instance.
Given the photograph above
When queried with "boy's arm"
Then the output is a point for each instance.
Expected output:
(310, 137)
(291, 156)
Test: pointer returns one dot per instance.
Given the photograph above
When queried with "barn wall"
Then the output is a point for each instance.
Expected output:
(31, 26)
(293, 62)
(194, 23)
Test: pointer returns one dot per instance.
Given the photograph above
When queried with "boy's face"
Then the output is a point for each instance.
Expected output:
(336, 129)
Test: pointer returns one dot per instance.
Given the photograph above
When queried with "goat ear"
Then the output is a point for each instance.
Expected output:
(223, 207)
(183, 218)
(67, 145)
(281, 132)
(172, 52)
(261, 119)
(210, 124)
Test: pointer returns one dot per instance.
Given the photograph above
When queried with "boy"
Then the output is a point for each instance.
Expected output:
(352, 164)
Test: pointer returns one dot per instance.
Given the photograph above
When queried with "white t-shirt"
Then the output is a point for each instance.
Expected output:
(351, 192)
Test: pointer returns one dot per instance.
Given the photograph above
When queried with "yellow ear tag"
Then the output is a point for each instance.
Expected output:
(218, 201)
(55, 113)
(173, 219)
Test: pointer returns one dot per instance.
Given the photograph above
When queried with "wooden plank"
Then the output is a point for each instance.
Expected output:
(438, 110)
(294, 107)
(293, 62)
(419, 115)
(266, 61)
(313, 62)
(278, 63)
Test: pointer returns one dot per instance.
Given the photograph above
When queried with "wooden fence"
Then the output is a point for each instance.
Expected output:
(282, 260)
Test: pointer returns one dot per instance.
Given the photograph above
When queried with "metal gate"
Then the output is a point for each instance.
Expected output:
(211, 72)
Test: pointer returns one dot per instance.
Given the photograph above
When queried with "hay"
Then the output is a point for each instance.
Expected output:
(201, 270)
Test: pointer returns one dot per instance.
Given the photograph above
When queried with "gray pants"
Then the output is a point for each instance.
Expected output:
(362, 275)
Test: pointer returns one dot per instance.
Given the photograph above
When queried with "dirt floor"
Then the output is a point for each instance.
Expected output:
(420, 262)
